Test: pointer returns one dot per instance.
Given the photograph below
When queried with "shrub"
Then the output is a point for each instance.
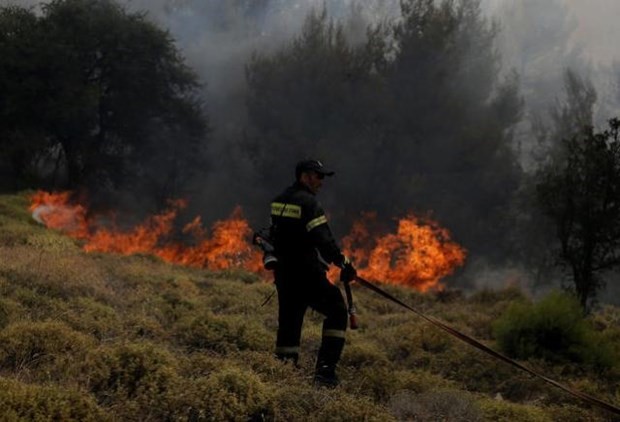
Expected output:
(231, 394)
(351, 408)
(503, 411)
(46, 346)
(306, 403)
(573, 413)
(420, 381)
(130, 370)
(88, 315)
(9, 311)
(553, 329)
(358, 355)
(20, 401)
(223, 333)
(434, 406)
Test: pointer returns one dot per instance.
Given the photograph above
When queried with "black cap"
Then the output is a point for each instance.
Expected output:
(312, 165)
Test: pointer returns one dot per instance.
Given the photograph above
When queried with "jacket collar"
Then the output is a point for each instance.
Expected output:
(300, 186)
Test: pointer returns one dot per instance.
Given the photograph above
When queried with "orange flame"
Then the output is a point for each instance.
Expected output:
(418, 255)
(226, 248)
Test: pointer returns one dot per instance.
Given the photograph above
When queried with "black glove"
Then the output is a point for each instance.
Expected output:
(347, 272)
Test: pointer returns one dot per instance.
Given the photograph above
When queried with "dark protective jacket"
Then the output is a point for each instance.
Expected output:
(301, 236)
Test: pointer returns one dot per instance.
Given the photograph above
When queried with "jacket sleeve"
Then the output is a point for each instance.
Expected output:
(321, 235)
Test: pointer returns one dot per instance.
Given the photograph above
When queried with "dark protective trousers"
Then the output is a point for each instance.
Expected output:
(296, 292)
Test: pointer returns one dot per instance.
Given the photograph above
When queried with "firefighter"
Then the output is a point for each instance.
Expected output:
(304, 247)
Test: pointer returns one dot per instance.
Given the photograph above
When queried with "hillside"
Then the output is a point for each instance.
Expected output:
(90, 336)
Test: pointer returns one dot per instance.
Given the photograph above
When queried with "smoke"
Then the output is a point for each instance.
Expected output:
(218, 38)
(538, 39)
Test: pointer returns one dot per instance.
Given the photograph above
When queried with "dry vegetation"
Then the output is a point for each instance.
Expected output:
(105, 337)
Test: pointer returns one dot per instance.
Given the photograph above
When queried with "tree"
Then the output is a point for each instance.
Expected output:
(417, 113)
(22, 105)
(453, 120)
(113, 97)
(576, 111)
(579, 191)
(317, 96)
(121, 81)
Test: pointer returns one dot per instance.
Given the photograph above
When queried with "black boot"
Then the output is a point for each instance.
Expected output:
(325, 376)
(289, 358)
(329, 355)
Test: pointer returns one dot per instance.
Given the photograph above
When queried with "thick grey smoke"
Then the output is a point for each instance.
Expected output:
(538, 39)
(218, 38)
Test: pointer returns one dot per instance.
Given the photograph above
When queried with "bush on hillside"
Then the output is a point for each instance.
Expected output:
(47, 347)
(20, 401)
(129, 371)
(434, 405)
(223, 333)
(232, 394)
(553, 329)
(503, 410)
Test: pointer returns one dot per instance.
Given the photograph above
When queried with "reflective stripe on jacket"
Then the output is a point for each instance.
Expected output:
(299, 230)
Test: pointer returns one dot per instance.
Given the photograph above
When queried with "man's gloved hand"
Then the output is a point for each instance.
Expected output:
(347, 271)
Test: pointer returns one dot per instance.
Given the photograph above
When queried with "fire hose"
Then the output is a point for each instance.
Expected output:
(351, 307)
(473, 342)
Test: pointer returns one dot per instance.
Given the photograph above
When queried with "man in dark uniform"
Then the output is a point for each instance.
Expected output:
(304, 246)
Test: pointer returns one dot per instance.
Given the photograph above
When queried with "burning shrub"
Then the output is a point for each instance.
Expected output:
(553, 329)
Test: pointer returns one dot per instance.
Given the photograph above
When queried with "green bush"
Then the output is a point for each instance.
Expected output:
(48, 347)
(25, 402)
(130, 370)
(434, 406)
(223, 333)
(231, 394)
(346, 408)
(504, 411)
(553, 329)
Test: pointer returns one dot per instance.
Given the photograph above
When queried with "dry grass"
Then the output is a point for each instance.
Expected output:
(105, 337)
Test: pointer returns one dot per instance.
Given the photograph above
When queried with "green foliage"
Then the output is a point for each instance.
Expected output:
(22, 132)
(433, 406)
(577, 191)
(20, 401)
(233, 394)
(43, 348)
(97, 94)
(503, 411)
(223, 333)
(130, 370)
(553, 329)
